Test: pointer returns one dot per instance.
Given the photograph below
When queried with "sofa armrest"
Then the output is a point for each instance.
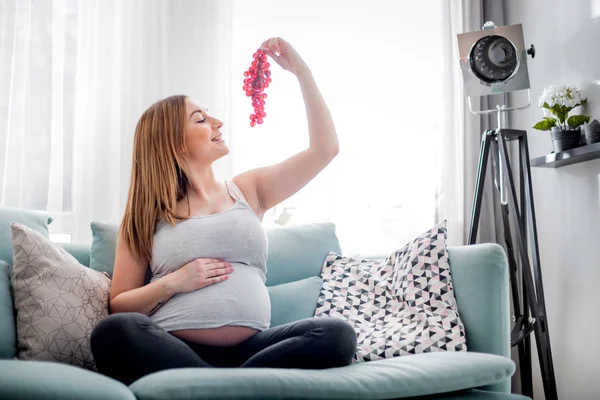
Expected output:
(80, 251)
(42, 380)
(481, 287)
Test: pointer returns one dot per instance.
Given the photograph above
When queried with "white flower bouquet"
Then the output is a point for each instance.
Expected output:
(557, 102)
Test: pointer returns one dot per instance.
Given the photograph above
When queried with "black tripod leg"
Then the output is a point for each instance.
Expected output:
(525, 362)
(479, 185)
(549, 376)
(517, 335)
(541, 334)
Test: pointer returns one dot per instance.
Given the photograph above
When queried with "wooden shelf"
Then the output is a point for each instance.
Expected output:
(568, 157)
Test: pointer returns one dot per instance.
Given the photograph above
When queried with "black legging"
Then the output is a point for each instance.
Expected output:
(127, 346)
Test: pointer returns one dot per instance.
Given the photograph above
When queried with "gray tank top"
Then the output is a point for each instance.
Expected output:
(235, 235)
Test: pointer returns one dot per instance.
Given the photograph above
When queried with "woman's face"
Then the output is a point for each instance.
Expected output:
(203, 141)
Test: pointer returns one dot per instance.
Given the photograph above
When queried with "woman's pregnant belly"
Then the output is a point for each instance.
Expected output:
(223, 314)
(223, 336)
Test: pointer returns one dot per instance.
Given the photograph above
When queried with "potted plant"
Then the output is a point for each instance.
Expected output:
(557, 102)
(592, 132)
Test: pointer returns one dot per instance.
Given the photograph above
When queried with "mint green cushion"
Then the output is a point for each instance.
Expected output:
(298, 251)
(81, 252)
(31, 219)
(400, 377)
(295, 252)
(295, 300)
(8, 336)
(40, 380)
(104, 244)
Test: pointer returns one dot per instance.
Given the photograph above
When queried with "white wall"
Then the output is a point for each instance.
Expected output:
(566, 35)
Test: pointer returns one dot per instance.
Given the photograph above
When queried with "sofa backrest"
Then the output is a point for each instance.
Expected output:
(295, 252)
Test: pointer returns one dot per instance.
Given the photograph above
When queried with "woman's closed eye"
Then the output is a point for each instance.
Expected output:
(201, 121)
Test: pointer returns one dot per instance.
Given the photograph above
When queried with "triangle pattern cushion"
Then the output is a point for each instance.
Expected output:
(403, 305)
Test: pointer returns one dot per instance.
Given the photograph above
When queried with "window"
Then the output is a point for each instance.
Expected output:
(378, 67)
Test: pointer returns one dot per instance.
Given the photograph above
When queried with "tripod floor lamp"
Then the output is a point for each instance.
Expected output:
(494, 61)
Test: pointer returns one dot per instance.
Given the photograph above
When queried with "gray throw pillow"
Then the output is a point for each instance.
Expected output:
(58, 301)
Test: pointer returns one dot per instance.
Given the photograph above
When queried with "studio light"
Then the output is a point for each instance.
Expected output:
(494, 61)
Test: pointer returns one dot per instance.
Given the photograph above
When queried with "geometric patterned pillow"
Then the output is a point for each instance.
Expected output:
(403, 305)
(57, 300)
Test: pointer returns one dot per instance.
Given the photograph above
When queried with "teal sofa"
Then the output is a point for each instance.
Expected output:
(480, 279)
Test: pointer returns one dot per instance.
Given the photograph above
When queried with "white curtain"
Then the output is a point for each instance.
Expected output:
(76, 76)
(37, 45)
(131, 54)
(387, 72)
(458, 154)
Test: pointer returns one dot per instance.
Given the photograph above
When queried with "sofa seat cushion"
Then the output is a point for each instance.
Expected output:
(42, 380)
(400, 377)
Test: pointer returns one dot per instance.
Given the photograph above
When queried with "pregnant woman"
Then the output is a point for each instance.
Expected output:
(207, 304)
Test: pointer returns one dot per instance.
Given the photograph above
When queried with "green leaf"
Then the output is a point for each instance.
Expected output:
(584, 101)
(562, 112)
(545, 125)
(576, 120)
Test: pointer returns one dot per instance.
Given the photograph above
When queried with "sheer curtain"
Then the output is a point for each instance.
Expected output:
(37, 48)
(131, 54)
(383, 71)
(76, 76)
(458, 154)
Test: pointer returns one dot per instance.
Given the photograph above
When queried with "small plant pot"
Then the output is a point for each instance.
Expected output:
(592, 132)
(565, 138)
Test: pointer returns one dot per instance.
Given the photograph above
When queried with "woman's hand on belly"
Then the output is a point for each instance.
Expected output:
(198, 274)
(222, 336)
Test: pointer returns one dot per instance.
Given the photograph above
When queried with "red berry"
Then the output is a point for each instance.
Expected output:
(257, 79)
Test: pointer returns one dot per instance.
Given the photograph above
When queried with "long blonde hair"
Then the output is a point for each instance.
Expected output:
(159, 176)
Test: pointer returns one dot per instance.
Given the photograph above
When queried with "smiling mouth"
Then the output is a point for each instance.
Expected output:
(217, 138)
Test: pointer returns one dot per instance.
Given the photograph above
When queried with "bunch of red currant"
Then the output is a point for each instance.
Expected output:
(257, 79)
